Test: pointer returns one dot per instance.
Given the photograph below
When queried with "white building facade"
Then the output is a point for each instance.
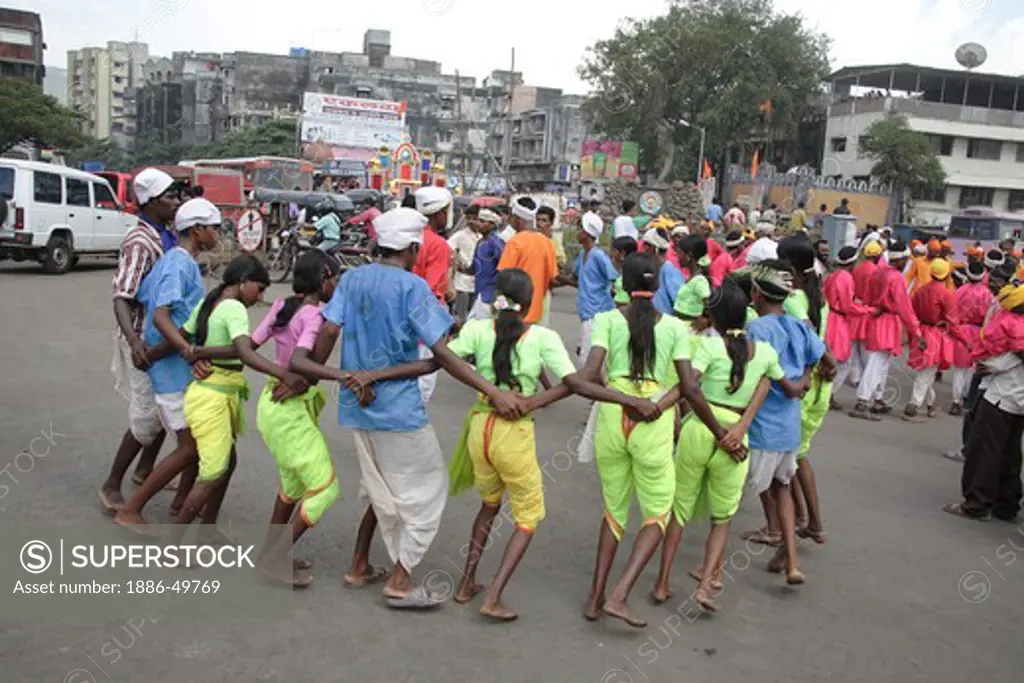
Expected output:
(101, 85)
(974, 122)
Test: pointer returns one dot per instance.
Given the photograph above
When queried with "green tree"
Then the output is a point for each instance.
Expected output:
(277, 137)
(29, 115)
(902, 157)
(708, 62)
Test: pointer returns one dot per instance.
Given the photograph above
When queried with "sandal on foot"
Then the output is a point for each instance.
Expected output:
(417, 599)
(109, 506)
(816, 536)
(957, 510)
(371, 576)
(763, 537)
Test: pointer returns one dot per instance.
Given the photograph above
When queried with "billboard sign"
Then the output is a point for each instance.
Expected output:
(351, 121)
(609, 160)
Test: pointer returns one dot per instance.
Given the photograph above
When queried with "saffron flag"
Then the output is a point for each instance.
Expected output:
(753, 164)
(766, 107)
(708, 173)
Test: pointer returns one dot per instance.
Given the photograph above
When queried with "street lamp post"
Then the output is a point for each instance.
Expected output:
(700, 157)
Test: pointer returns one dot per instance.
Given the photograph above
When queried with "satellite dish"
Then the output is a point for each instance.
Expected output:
(971, 55)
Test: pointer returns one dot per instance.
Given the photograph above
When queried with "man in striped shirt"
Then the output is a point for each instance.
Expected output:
(141, 249)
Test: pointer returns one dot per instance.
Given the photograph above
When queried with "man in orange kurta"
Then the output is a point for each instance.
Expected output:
(919, 274)
(531, 251)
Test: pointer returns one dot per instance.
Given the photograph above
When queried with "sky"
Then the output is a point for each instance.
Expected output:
(550, 36)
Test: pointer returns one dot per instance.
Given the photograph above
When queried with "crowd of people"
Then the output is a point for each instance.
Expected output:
(710, 360)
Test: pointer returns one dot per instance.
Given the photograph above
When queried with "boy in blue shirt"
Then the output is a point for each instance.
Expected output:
(386, 312)
(775, 432)
(485, 263)
(595, 275)
(170, 292)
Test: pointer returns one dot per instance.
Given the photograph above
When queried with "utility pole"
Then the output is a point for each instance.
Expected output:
(508, 122)
(458, 123)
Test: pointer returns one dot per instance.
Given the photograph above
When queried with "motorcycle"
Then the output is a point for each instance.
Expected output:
(290, 244)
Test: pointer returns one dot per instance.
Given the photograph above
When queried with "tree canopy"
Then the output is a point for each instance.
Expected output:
(708, 62)
(902, 157)
(29, 115)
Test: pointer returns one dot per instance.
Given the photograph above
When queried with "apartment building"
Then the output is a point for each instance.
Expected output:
(101, 87)
(21, 45)
(974, 121)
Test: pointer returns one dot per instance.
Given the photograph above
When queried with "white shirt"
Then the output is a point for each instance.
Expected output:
(623, 226)
(507, 233)
(754, 217)
(764, 249)
(1006, 390)
(769, 216)
(463, 244)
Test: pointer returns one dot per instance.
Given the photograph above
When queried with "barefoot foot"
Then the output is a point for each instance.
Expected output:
(592, 611)
(620, 610)
(498, 612)
(795, 577)
(368, 576)
(661, 594)
(466, 592)
(111, 499)
(703, 599)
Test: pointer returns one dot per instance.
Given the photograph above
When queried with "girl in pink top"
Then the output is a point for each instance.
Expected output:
(290, 424)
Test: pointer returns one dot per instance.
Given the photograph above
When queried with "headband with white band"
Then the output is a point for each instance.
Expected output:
(521, 212)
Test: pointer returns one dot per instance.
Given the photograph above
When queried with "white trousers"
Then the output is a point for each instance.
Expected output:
(842, 372)
(858, 359)
(427, 383)
(961, 383)
(405, 479)
(133, 385)
(924, 391)
(585, 330)
(876, 371)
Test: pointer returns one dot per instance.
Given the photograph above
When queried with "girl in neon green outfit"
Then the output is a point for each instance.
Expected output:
(291, 428)
(693, 255)
(640, 349)
(711, 465)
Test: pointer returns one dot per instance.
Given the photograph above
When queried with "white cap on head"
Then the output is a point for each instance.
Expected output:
(654, 239)
(399, 228)
(195, 212)
(920, 250)
(431, 199)
(592, 224)
(489, 216)
(150, 183)
(764, 229)
(523, 213)
(681, 230)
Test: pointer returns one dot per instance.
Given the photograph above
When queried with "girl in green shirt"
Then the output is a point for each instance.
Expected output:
(693, 256)
(642, 352)
(711, 464)
(502, 455)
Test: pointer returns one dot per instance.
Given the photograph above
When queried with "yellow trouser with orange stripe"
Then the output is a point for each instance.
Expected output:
(503, 457)
(634, 457)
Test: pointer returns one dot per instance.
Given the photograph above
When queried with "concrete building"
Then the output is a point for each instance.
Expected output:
(975, 122)
(21, 45)
(102, 83)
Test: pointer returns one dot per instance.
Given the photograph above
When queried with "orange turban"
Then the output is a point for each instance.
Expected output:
(934, 246)
(915, 243)
(946, 244)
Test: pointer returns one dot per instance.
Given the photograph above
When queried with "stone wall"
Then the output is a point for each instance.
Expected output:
(678, 199)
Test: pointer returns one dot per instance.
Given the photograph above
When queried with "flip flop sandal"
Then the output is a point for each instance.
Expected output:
(108, 507)
(957, 510)
(417, 599)
(763, 537)
(139, 480)
(375, 575)
(816, 536)
(865, 415)
(303, 565)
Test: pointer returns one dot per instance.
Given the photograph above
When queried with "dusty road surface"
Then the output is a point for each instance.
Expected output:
(901, 592)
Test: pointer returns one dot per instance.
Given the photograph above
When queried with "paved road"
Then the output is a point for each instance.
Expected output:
(902, 592)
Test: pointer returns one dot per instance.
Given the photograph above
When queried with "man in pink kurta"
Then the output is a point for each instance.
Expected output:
(883, 341)
(843, 310)
(971, 303)
(933, 305)
(862, 275)
(725, 262)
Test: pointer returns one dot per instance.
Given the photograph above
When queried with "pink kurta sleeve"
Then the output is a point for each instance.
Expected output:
(902, 307)
(844, 298)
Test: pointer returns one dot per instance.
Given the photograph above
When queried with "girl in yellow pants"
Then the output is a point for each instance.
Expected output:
(219, 329)
(642, 352)
(291, 428)
(711, 466)
(502, 455)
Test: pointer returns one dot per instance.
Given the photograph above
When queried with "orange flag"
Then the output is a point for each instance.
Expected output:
(708, 173)
(753, 164)
(767, 107)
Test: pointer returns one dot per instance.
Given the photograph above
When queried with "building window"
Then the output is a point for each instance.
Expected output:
(1020, 152)
(976, 196)
(942, 144)
(1016, 202)
(937, 196)
(862, 142)
(47, 188)
(838, 144)
(980, 148)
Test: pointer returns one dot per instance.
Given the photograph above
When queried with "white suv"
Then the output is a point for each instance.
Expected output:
(53, 214)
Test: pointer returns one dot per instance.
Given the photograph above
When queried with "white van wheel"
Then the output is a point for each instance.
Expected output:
(58, 256)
